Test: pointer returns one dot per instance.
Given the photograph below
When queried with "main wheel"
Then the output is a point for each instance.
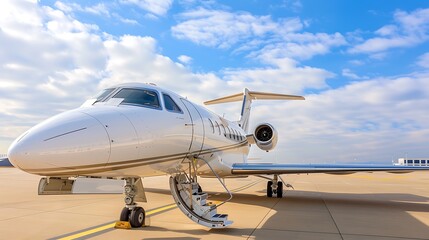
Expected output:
(125, 214)
(279, 189)
(269, 189)
(137, 217)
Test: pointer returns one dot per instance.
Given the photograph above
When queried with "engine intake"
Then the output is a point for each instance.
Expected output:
(266, 136)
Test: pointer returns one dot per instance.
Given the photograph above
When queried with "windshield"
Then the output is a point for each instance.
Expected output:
(139, 97)
(101, 95)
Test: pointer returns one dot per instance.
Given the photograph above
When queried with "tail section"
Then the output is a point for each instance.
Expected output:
(247, 97)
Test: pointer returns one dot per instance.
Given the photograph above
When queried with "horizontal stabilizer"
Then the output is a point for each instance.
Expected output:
(254, 96)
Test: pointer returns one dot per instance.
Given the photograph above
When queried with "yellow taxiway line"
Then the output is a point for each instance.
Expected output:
(111, 225)
(151, 212)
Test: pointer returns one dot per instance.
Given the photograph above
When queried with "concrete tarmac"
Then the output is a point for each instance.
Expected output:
(377, 206)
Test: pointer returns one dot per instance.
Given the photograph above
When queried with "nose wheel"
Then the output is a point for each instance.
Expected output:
(132, 213)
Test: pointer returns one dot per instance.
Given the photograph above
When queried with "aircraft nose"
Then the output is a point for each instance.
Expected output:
(61, 143)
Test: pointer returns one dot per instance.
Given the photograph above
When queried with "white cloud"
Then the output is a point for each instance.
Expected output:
(54, 62)
(184, 59)
(357, 62)
(133, 58)
(424, 60)
(64, 61)
(48, 58)
(217, 28)
(125, 20)
(388, 30)
(98, 9)
(300, 46)
(410, 29)
(350, 74)
(375, 120)
(157, 7)
(260, 35)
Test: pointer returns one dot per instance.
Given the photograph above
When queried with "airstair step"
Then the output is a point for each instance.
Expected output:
(194, 204)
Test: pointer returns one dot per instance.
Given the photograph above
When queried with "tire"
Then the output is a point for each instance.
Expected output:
(125, 214)
(137, 217)
(269, 189)
(279, 189)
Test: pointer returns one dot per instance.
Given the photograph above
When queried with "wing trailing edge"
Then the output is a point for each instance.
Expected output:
(268, 168)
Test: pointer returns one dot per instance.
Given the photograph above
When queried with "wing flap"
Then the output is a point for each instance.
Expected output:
(271, 168)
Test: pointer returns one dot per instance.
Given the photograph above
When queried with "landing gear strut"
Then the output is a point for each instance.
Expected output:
(275, 187)
(132, 213)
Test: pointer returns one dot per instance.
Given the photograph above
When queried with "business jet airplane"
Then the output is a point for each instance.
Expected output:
(139, 130)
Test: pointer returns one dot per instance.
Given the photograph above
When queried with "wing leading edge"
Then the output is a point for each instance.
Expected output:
(272, 168)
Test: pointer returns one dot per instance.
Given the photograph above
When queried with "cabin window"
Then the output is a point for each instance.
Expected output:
(138, 97)
(103, 94)
(224, 130)
(211, 124)
(218, 127)
(170, 104)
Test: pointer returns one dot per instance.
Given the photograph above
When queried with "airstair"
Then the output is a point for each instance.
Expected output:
(192, 201)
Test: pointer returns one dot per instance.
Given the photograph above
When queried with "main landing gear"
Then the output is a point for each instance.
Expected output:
(276, 187)
(132, 213)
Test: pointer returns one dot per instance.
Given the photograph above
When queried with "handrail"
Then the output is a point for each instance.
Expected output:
(218, 178)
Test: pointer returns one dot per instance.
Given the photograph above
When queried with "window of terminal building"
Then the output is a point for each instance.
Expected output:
(423, 161)
(410, 161)
(416, 161)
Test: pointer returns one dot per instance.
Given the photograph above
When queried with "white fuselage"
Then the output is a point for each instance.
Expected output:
(111, 139)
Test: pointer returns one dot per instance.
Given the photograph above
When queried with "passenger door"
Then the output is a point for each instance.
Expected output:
(196, 124)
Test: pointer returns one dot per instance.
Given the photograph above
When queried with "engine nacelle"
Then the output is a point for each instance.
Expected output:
(266, 136)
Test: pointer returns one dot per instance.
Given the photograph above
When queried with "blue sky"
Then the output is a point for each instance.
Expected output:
(362, 65)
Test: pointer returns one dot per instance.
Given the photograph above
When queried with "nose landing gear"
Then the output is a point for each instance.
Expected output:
(132, 213)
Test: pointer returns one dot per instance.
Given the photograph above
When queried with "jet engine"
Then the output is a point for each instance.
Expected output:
(265, 136)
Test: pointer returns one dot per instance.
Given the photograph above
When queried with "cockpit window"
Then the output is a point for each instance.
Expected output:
(104, 93)
(141, 97)
(170, 105)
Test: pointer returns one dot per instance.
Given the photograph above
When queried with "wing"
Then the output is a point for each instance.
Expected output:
(271, 168)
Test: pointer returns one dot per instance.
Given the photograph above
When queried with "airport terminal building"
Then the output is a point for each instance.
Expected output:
(412, 162)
